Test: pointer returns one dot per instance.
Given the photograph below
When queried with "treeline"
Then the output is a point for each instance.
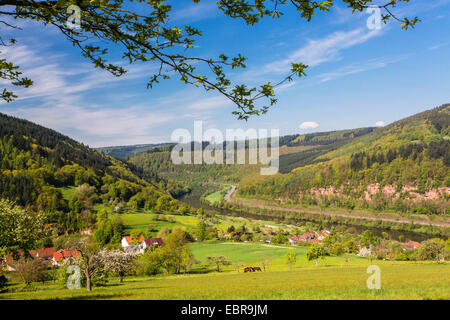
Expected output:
(327, 138)
(416, 151)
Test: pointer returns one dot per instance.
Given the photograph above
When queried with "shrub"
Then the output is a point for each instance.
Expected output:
(31, 270)
(3, 282)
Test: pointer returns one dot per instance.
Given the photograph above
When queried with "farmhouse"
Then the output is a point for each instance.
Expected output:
(294, 240)
(44, 253)
(323, 234)
(47, 254)
(62, 254)
(129, 240)
(410, 245)
(307, 237)
(150, 243)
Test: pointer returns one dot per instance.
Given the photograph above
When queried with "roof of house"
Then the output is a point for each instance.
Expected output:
(153, 241)
(410, 244)
(61, 253)
(131, 239)
(307, 235)
(43, 253)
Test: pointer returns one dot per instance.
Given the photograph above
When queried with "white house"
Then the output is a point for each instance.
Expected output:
(129, 240)
(150, 243)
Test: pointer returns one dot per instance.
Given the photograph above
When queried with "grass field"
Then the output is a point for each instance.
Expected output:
(398, 281)
(141, 221)
(216, 196)
(253, 253)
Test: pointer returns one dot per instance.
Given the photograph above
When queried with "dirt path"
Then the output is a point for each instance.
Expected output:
(340, 214)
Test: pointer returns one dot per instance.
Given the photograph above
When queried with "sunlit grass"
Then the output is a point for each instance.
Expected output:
(398, 281)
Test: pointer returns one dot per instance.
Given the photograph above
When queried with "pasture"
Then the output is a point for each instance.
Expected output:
(141, 221)
(253, 253)
(398, 281)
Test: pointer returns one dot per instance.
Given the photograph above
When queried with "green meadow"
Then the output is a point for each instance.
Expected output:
(217, 196)
(141, 221)
(398, 281)
(252, 254)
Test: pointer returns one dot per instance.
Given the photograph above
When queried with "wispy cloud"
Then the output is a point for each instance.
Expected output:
(318, 51)
(58, 79)
(209, 103)
(100, 127)
(358, 68)
(57, 100)
(195, 12)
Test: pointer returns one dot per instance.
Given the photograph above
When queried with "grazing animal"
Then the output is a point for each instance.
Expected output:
(252, 269)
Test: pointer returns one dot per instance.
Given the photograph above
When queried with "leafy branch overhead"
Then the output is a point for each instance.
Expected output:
(146, 34)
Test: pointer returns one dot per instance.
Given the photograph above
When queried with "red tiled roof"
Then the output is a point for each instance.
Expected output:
(307, 235)
(153, 242)
(410, 244)
(131, 239)
(44, 253)
(61, 253)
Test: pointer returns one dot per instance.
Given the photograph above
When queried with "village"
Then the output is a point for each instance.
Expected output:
(372, 247)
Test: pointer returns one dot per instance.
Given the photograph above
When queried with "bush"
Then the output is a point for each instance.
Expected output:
(31, 270)
(3, 282)
(149, 264)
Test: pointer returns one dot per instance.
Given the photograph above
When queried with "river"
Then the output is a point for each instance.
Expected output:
(194, 201)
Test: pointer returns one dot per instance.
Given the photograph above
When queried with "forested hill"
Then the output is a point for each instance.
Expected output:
(295, 151)
(26, 145)
(125, 152)
(47, 171)
(403, 166)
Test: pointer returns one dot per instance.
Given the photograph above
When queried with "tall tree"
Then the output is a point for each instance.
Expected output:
(19, 229)
(218, 261)
(117, 261)
(89, 260)
(315, 252)
(291, 259)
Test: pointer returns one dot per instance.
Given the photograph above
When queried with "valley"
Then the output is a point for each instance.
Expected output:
(363, 196)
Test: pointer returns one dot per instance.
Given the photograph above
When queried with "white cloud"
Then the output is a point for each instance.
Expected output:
(380, 123)
(58, 79)
(195, 12)
(308, 125)
(56, 100)
(209, 103)
(100, 127)
(318, 51)
(358, 68)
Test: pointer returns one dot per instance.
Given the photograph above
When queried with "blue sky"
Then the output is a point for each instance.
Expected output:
(358, 77)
